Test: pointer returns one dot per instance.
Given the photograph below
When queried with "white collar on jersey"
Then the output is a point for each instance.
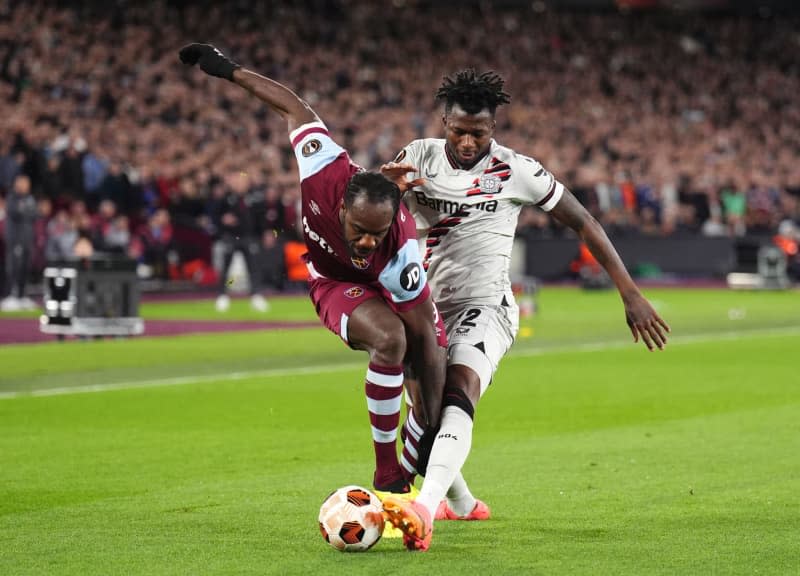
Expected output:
(456, 166)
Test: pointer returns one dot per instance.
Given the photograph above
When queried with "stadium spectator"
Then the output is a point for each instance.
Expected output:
(21, 213)
(466, 199)
(62, 234)
(101, 220)
(273, 223)
(44, 212)
(116, 236)
(70, 172)
(10, 166)
(2, 245)
(239, 230)
(152, 247)
(679, 104)
(368, 285)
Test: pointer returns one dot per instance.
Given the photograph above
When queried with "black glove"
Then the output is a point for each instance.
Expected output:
(211, 60)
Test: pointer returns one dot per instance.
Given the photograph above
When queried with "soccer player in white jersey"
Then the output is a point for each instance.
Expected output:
(367, 282)
(466, 195)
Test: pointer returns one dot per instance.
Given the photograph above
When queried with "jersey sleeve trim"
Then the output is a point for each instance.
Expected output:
(296, 135)
(552, 197)
(409, 304)
(404, 276)
(314, 149)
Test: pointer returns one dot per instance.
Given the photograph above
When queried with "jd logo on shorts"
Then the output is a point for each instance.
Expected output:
(410, 277)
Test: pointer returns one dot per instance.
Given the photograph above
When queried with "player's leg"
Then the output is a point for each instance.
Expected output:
(374, 327)
(26, 259)
(360, 317)
(253, 259)
(10, 303)
(460, 504)
(453, 441)
(416, 444)
(413, 427)
(227, 250)
(479, 337)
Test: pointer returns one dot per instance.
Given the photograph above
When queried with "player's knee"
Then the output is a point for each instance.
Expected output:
(470, 369)
(456, 396)
(465, 378)
(389, 345)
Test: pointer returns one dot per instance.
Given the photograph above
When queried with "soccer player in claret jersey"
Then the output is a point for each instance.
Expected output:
(466, 196)
(367, 280)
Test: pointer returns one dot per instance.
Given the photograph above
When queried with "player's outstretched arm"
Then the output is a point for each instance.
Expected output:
(643, 320)
(429, 360)
(277, 96)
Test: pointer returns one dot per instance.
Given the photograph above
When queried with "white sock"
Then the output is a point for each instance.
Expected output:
(459, 498)
(450, 451)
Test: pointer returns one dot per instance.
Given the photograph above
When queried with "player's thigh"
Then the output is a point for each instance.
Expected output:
(478, 338)
(357, 314)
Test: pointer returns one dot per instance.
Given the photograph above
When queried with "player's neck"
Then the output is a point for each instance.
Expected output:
(451, 157)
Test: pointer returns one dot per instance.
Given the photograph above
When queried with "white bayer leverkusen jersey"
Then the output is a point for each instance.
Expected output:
(466, 219)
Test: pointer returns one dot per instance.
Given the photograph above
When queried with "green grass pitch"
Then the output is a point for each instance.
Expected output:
(210, 454)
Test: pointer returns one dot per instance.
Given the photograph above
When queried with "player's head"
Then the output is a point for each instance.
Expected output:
(22, 184)
(471, 100)
(368, 210)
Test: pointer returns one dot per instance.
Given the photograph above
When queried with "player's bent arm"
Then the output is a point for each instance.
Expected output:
(642, 319)
(428, 358)
(214, 63)
(289, 105)
(570, 212)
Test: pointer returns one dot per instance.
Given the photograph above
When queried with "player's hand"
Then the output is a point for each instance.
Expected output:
(210, 60)
(645, 323)
(397, 173)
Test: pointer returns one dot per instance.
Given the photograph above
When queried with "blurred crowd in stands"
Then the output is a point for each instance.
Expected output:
(661, 124)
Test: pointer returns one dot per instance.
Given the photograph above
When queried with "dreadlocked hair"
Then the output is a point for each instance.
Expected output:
(473, 92)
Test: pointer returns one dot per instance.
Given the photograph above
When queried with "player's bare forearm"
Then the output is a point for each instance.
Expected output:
(570, 212)
(280, 98)
(643, 321)
(277, 96)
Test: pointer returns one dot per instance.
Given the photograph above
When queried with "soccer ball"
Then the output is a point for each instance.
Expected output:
(351, 519)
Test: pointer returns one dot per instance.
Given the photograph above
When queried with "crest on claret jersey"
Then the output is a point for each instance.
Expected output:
(360, 263)
(354, 292)
(311, 147)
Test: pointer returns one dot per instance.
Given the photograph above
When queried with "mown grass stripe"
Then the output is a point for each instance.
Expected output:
(279, 372)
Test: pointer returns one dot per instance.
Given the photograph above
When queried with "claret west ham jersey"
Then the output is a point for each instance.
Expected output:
(467, 218)
(395, 268)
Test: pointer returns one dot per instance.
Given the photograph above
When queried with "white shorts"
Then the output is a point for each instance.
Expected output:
(479, 336)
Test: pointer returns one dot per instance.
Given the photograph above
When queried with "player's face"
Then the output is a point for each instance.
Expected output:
(468, 136)
(365, 225)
